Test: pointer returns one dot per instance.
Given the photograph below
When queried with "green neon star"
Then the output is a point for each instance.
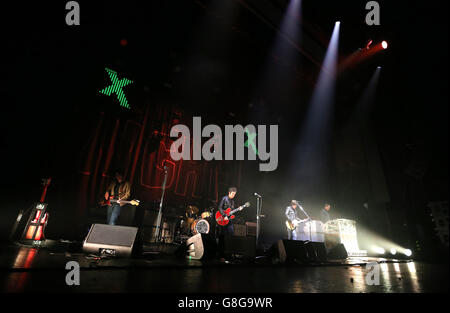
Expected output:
(116, 87)
(250, 141)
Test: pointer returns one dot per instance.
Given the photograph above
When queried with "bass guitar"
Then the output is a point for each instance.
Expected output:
(220, 219)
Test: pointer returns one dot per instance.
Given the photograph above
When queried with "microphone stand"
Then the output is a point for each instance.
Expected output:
(309, 219)
(258, 211)
(158, 221)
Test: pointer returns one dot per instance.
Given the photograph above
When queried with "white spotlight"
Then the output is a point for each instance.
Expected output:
(379, 250)
(393, 251)
(408, 252)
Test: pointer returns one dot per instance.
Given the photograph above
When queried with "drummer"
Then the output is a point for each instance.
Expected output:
(206, 214)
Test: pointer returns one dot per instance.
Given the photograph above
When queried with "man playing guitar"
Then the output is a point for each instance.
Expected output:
(292, 220)
(226, 202)
(118, 190)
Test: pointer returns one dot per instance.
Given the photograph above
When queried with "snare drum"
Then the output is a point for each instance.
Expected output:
(200, 226)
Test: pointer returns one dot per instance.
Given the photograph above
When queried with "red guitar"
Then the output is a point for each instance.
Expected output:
(221, 219)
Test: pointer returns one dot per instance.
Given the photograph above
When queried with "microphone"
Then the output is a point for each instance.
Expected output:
(255, 194)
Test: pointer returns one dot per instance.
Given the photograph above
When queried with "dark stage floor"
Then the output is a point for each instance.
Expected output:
(26, 269)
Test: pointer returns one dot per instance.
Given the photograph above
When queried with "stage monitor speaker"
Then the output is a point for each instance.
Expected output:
(201, 246)
(337, 252)
(289, 251)
(316, 251)
(110, 240)
(242, 246)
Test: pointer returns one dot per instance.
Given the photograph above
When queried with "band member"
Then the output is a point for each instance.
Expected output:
(118, 189)
(226, 202)
(291, 214)
(324, 215)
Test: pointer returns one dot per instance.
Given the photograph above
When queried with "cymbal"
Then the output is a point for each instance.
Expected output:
(191, 209)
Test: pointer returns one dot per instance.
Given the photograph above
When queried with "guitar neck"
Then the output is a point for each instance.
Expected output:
(121, 201)
(235, 210)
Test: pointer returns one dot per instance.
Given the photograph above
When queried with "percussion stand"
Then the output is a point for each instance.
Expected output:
(158, 221)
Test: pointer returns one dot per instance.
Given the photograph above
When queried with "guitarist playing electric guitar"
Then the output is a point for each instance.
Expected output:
(224, 219)
(292, 220)
(117, 191)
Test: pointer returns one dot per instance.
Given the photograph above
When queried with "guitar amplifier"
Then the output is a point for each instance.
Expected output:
(240, 230)
(251, 229)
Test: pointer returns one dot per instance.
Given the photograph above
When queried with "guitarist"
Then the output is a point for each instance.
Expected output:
(291, 214)
(226, 202)
(118, 189)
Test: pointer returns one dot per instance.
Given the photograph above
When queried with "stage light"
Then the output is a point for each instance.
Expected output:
(378, 67)
(379, 250)
(407, 252)
(393, 251)
(384, 44)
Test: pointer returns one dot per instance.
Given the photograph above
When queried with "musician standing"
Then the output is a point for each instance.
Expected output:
(324, 213)
(226, 202)
(118, 189)
(291, 214)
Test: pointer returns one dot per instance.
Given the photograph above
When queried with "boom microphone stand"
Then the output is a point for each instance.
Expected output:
(307, 216)
(158, 221)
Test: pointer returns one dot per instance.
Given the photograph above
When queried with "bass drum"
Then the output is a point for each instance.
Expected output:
(200, 226)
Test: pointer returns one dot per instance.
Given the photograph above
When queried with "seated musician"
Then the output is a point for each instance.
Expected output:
(118, 189)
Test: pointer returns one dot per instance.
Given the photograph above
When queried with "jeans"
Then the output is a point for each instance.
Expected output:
(113, 213)
(223, 231)
(292, 234)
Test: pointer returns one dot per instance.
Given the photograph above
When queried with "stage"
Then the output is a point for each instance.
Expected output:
(219, 148)
(28, 269)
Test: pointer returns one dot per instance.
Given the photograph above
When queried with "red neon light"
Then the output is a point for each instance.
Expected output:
(30, 232)
(38, 234)
(44, 219)
(38, 215)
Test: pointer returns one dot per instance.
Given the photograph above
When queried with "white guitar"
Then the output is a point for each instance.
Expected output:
(291, 225)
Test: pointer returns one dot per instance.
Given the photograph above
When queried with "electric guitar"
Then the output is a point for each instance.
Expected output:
(111, 201)
(220, 219)
(291, 225)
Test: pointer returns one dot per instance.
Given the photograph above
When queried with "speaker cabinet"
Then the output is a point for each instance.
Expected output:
(242, 246)
(316, 252)
(201, 246)
(110, 240)
(338, 252)
(251, 229)
(289, 251)
(239, 230)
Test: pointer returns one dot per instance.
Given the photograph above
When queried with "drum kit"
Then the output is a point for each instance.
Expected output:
(193, 223)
